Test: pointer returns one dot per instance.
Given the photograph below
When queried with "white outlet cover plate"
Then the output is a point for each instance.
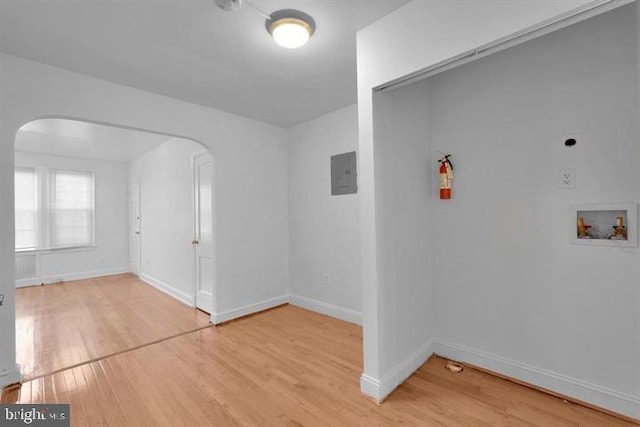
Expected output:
(567, 179)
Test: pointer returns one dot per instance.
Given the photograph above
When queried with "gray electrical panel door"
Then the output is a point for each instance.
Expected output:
(344, 174)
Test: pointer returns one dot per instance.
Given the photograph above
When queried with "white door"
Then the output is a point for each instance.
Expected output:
(135, 218)
(203, 231)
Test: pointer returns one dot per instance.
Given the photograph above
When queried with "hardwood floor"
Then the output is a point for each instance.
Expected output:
(285, 367)
(65, 324)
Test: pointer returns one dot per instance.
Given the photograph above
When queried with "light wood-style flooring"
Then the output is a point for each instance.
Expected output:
(285, 367)
(65, 324)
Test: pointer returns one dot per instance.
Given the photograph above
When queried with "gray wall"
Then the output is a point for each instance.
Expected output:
(166, 181)
(404, 237)
(109, 256)
(324, 231)
(509, 281)
(250, 173)
(511, 292)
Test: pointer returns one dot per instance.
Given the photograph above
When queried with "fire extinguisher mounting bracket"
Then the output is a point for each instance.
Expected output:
(445, 159)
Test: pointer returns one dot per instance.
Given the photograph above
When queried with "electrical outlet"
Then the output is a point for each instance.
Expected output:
(567, 179)
(326, 279)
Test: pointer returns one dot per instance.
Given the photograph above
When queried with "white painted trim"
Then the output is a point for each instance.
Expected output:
(331, 310)
(572, 17)
(590, 393)
(217, 318)
(602, 397)
(60, 250)
(370, 386)
(10, 376)
(168, 289)
(210, 304)
(67, 277)
(380, 389)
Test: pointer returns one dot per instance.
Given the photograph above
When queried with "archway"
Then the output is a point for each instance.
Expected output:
(56, 153)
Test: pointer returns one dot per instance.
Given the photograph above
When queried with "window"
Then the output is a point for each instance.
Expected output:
(70, 208)
(26, 208)
(58, 213)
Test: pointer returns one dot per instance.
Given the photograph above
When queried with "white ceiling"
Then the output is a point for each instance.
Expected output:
(71, 138)
(191, 50)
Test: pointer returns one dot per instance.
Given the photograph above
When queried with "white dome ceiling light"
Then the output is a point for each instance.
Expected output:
(289, 28)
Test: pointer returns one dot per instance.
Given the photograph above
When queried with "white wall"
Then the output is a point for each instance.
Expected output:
(166, 181)
(404, 240)
(637, 320)
(110, 254)
(511, 293)
(416, 36)
(250, 178)
(509, 283)
(324, 231)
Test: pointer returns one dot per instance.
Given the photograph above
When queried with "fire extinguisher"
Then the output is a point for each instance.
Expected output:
(446, 176)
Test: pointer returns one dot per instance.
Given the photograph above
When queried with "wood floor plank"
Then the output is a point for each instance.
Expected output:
(65, 324)
(284, 367)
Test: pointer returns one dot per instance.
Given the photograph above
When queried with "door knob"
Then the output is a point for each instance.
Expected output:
(195, 242)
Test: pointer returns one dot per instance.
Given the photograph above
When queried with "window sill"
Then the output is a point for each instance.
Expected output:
(56, 250)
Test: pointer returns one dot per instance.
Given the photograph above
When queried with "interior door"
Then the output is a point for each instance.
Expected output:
(135, 218)
(204, 231)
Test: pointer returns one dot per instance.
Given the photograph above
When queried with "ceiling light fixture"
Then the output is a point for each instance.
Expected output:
(290, 28)
(229, 5)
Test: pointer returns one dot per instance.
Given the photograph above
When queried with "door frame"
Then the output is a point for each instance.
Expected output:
(214, 292)
(135, 180)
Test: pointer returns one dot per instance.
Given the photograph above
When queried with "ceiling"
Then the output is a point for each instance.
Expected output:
(72, 138)
(191, 50)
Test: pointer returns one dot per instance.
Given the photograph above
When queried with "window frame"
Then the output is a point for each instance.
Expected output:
(44, 209)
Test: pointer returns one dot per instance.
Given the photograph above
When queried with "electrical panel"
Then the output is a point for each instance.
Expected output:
(344, 178)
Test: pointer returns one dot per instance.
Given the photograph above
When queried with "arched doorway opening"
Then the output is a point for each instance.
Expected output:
(96, 203)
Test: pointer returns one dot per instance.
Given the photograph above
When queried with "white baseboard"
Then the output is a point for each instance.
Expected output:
(67, 277)
(370, 386)
(602, 397)
(380, 389)
(338, 312)
(168, 289)
(10, 376)
(217, 318)
(599, 396)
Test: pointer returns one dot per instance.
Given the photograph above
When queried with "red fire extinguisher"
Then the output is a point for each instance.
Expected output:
(446, 176)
